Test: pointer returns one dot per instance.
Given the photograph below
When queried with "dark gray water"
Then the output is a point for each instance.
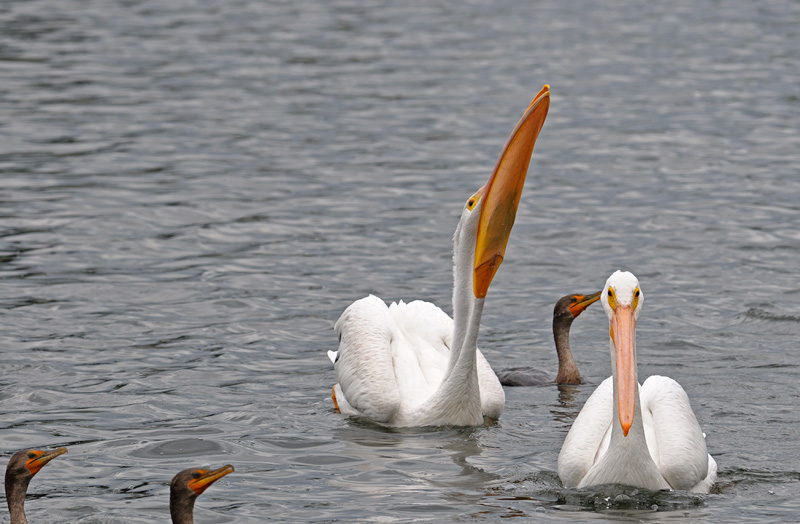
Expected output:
(192, 192)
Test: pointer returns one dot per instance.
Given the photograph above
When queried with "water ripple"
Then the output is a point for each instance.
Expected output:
(190, 194)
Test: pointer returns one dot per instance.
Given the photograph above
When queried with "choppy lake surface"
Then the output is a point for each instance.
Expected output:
(192, 192)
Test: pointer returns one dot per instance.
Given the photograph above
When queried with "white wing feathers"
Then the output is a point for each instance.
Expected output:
(393, 359)
(422, 350)
(676, 443)
(589, 436)
(364, 361)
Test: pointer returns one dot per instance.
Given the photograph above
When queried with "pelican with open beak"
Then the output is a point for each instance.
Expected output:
(410, 364)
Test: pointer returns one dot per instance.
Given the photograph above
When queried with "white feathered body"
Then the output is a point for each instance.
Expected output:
(392, 361)
(674, 455)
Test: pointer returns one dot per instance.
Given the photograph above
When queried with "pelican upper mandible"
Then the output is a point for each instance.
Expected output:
(410, 364)
(642, 436)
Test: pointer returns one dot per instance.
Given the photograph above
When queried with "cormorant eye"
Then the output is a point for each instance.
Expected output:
(195, 475)
(31, 455)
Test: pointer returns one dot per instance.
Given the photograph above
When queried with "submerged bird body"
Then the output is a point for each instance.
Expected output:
(410, 364)
(565, 312)
(186, 486)
(644, 436)
(21, 468)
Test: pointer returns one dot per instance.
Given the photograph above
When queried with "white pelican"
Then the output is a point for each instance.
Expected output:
(565, 311)
(642, 436)
(410, 364)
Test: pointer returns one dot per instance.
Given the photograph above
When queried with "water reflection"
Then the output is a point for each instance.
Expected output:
(434, 457)
(568, 403)
(568, 396)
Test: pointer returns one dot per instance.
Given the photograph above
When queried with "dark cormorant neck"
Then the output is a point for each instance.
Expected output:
(181, 507)
(16, 488)
(567, 369)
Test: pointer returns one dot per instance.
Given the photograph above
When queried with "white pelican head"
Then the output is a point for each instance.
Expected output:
(622, 301)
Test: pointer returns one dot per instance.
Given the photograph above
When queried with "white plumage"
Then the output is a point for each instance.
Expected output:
(392, 387)
(643, 436)
(411, 364)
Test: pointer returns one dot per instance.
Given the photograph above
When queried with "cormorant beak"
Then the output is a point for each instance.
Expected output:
(582, 302)
(623, 328)
(42, 457)
(203, 478)
(502, 192)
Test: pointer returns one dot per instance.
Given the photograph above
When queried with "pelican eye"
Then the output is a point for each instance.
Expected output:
(636, 295)
(473, 200)
(612, 300)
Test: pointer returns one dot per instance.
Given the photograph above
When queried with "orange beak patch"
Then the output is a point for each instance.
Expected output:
(40, 458)
(623, 326)
(203, 478)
